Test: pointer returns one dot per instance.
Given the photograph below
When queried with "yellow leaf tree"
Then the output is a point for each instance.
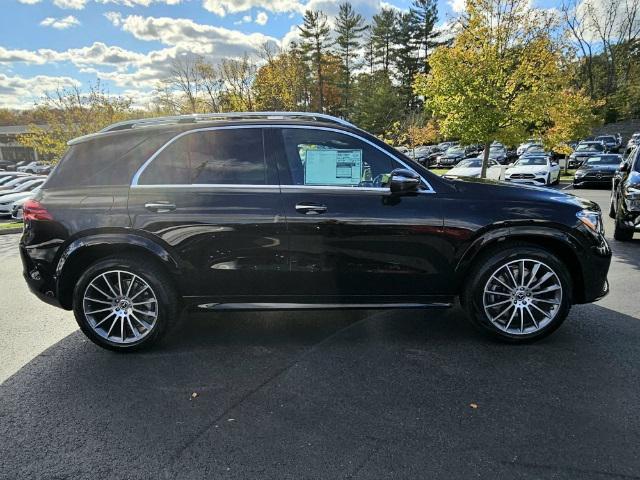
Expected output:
(499, 78)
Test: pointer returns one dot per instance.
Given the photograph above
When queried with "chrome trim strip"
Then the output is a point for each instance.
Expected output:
(317, 306)
(136, 177)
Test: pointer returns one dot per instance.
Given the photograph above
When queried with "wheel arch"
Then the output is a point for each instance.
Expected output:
(558, 242)
(86, 250)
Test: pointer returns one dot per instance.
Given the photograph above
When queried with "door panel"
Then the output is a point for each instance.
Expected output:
(231, 240)
(212, 197)
(354, 241)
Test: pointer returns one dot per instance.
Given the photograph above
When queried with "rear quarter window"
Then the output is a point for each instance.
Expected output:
(108, 160)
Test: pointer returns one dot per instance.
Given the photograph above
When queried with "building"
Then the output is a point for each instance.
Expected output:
(10, 149)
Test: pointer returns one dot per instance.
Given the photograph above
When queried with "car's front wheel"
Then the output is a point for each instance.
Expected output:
(518, 294)
(124, 303)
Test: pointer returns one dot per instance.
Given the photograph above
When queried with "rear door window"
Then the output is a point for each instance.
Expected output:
(222, 156)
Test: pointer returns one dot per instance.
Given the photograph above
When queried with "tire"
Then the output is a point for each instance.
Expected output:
(621, 233)
(122, 310)
(483, 309)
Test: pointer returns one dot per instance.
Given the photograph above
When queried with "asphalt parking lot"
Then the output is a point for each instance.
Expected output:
(368, 394)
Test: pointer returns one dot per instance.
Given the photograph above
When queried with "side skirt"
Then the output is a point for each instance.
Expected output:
(317, 306)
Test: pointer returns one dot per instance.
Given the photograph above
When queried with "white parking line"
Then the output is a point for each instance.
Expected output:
(567, 186)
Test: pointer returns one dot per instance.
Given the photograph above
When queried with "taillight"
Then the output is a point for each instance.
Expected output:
(33, 210)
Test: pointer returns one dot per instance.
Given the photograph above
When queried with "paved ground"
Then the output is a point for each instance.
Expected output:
(323, 395)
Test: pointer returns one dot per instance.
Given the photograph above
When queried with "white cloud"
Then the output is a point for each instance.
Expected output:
(262, 18)
(29, 2)
(138, 3)
(191, 36)
(20, 92)
(70, 4)
(457, 6)
(223, 7)
(60, 23)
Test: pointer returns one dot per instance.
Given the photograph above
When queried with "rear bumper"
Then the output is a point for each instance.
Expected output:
(39, 279)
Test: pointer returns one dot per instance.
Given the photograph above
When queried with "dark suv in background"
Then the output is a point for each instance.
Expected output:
(292, 210)
(625, 197)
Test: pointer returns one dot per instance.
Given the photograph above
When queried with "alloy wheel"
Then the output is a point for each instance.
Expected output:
(522, 296)
(120, 306)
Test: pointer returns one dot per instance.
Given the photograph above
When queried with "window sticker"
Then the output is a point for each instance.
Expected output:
(333, 167)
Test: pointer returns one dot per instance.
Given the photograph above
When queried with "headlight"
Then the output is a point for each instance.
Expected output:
(591, 219)
(632, 192)
(541, 173)
(580, 173)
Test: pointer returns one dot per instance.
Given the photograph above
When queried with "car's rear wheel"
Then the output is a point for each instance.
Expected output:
(124, 303)
(518, 294)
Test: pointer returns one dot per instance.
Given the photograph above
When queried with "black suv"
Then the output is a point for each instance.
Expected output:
(281, 210)
(625, 197)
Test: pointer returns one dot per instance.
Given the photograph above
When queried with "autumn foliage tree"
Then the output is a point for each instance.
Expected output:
(499, 79)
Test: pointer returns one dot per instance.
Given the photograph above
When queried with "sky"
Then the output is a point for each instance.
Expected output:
(128, 44)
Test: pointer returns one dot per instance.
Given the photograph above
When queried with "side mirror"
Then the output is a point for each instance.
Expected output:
(404, 181)
(624, 168)
(554, 164)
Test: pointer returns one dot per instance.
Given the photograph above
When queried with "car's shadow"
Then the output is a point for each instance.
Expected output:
(397, 394)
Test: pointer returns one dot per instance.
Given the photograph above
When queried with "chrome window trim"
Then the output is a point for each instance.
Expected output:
(136, 177)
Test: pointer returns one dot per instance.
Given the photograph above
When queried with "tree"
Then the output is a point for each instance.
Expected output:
(570, 117)
(70, 113)
(383, 37)
(376, 102)
(280, 84)
(349, 29)
(237, 77)
(424, 15)
(406, 60)
(183, 76)
(498, 79)
(315, 33)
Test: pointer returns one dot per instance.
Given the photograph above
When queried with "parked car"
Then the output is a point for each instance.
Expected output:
(26, 186)
(7, 201)
(610, 142)
(14, 182)
(423, 154)
(454, 154)
(534, 171)
(535, 150)
(598, 170)
(634, 140)
(8, 176)
(36, 168)
(7, 165)
(625, 198)
(523, 146)
(583, 151)
(498, 153)
(276, 211)
(472, 167)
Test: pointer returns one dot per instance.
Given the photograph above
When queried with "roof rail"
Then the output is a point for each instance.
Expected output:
(204, 117)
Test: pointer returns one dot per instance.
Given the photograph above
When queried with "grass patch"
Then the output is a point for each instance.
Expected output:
(10, 225)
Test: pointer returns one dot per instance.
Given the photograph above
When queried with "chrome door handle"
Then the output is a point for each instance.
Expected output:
(311, 208)
(160, 207)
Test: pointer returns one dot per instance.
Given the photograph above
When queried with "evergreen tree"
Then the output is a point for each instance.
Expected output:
(425, 38)
(383, 36)
(349, 29)
(406, 60)
(315, 33)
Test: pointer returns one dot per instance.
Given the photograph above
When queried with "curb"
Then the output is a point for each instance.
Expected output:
(8, 231)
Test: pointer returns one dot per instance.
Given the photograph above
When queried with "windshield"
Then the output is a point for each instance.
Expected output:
(589, 147)
(473, 163)
(455, 150)
(525, 162)
(604, 160)
(606, 139)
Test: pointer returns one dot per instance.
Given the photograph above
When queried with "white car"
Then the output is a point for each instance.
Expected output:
(36, 168)
(540, 170)
(472, 168)
(26, 186)
(7, 201)
(16, 206)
